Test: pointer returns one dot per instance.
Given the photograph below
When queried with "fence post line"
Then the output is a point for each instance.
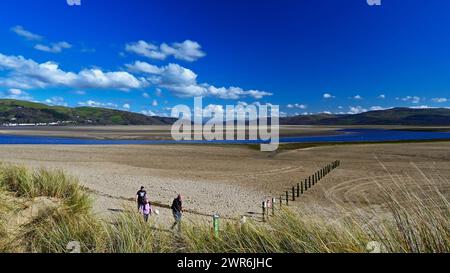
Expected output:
(293, 193)
(309, 182)
(301, 187)
(298, 189)
(281, 201)
(287, 198)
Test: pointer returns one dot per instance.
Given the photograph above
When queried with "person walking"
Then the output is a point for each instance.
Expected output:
(177, 210)
(146, 209)
(140, 198)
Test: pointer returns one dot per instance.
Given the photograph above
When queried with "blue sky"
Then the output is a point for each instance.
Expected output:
(307, 56)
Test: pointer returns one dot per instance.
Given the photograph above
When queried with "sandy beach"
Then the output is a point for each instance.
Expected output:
(233, 180)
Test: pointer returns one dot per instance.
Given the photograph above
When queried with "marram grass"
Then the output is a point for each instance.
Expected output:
(423, 227)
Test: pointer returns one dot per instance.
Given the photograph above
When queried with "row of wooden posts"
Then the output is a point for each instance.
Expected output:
(299, 189)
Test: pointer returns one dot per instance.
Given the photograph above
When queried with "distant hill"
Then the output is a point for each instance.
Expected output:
(24, 112)
(394, 116)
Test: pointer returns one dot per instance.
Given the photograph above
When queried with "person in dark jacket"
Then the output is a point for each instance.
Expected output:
(177, 210)
(140, 197)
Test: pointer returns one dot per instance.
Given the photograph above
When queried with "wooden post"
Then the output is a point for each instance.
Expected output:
(301, 187)
(264, 211)
(298, 189)
(281, 201)
(293, 193)
(287, 198)
(273, 206)
(309, 182)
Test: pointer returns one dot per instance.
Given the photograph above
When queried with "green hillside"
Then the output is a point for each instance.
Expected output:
(15, 111)
(395, 116)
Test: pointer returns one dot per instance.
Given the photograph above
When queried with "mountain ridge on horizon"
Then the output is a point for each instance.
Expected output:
(25, 112)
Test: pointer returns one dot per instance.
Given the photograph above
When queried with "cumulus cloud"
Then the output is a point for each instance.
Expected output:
(412, 99)
(357, 97)
(59, 101)
(92, 103)
(19, 30)
(440, 100)
(328, 96)
(183, 82)
(297, 106)
(422, 107)
(126, 106)
(187, 51)
(15, 94)
(382, 96)
(149, 113)
(27, 74)
(377, 108)
(356, 110)
(53, 48)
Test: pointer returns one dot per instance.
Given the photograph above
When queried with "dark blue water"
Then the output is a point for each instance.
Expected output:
(347, 135)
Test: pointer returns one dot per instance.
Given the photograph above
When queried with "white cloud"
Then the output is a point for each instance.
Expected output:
(126, 106)
(183, 82)
(298, 106)
(440, 100)
(146, 95)
(328, 96)
(92, 103)
(143, 67)
(358, 97)
(16, 94)
(149, 113)
(59, 101)
(155, 103)
(422, 107)
(27, 74)
(158, 92)
(80, 92)
(382, 96)
(54, 48)
(187, 51)
(356, 110)
(19, 30)
(412, 99)
(377, 108)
